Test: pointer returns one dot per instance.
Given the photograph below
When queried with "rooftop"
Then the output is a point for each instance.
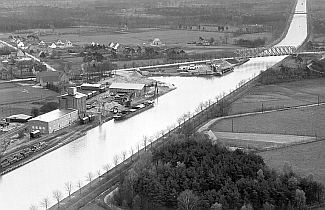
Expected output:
(127, 86)
(78, 95)
(20, 116)
(53, 115)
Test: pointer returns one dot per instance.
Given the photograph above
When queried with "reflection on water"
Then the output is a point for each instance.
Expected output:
(31, 183)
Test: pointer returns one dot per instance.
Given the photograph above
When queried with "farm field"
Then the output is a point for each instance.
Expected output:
(305, 121)
(304, 158)
(260, 141)
(16, 98)
(279, 95)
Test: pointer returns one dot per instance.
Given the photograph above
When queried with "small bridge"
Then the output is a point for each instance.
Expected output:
(265, 51)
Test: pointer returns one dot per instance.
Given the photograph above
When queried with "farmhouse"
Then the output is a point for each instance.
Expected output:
(51, 77)
(130, 88)
(53, 121)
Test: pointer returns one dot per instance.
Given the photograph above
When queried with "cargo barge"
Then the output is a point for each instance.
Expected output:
(130, 112)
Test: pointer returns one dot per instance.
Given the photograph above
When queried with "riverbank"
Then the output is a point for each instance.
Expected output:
(67, 135)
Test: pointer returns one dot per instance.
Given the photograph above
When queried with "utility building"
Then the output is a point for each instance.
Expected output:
(128, 88)
(53, 121)
(73, 100)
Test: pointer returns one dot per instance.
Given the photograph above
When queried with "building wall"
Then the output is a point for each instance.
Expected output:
(137, 93)
(63, 121)
(38, 125)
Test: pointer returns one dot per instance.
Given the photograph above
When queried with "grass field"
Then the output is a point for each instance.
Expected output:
(304, 158)
(279, 95)
(16, 98)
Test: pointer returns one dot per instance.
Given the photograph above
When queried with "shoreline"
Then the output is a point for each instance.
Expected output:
(62, 142)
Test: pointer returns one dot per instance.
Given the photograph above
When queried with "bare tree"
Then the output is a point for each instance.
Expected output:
(98, 172)
(162, 132)
(151, 140)
(179, 121)
(145, 140)
(89, 178)
(107, 167)
(33, 207)
(131, 153)
(68, 187)
(57, 196)
(157, 135)
(45, 202)
(187, 200)
(169, 128)
(124, 153)
(138, 148)
(116, 160)
(79, 184)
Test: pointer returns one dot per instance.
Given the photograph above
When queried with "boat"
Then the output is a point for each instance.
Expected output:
(130, 112)
(221, 67)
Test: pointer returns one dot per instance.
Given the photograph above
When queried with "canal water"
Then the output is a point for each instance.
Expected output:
(29, 184)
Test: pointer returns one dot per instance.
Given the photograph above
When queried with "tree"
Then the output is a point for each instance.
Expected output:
(35, 112)
(57, 196)
(68, 187)
(145, 141)
(89, 178)
(45, 202)
(116, 160)
(300, 199)
(33, 207)
(216, 206)
(268, 206)
(79, 185)
(124, 153)
(107, 167)
(187, 200)
(98, 172)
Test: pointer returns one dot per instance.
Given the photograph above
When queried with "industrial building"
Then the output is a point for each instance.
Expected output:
(129, 88)
(72, 106)
(73, 100)
(20, 118)
(53, 121)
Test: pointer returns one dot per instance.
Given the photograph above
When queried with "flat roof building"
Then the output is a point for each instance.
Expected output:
(20, 118)
(54, 120)
(137, 89)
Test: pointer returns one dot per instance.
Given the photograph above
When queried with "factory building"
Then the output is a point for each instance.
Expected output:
(53, 121)
(72, 106)
(129, 88)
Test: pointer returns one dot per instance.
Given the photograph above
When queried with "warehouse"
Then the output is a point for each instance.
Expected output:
(129, 88)
(53, 121)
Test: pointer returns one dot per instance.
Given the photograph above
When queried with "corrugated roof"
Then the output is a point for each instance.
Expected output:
(78, 95)
(53, 115)
(127, 86)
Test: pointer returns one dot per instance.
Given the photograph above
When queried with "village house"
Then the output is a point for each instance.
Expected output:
(51, 77)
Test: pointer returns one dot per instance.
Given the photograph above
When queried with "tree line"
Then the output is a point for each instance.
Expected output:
(193, 173)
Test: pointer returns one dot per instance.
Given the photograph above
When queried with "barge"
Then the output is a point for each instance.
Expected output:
(130, 112)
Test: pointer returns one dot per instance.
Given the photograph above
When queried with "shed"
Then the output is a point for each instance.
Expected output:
(20, 118)
(136, 89)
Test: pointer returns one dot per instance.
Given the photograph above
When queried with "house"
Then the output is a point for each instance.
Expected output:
(68, 44)
(38, 68)
(59, 42)
(75, 73)
(20, 45)
(42, 43)
(156, 42)
(53, 46)
(4, 74)
(51, 77)
(20, 53)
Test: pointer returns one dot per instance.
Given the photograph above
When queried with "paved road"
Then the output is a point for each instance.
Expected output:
(29, 55)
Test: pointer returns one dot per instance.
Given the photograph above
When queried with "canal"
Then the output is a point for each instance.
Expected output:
(31, 183)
